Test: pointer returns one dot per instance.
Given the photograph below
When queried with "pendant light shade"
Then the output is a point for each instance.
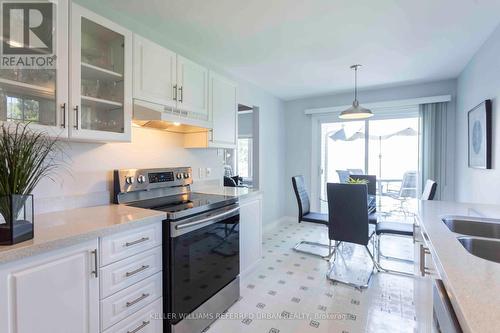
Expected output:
(356, 111)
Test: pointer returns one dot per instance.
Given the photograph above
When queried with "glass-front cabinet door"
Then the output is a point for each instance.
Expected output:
(34, 65)
(100, 74)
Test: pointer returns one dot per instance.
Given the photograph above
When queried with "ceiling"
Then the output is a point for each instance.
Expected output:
(298, 48)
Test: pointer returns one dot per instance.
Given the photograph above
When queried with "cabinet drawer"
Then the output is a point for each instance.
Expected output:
(126, 272)
(128, 243)
(128, 301)
(143, 321)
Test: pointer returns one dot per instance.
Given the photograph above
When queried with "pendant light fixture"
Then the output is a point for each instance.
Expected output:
(356, 111)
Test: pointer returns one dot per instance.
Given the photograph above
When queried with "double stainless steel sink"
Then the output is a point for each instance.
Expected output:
(483, 235)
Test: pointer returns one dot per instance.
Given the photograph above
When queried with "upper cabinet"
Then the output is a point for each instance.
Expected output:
(155, 73)
(165, 78)
(38, 95)
(223, 113)
(101, 78)
(223, 109)
(192, 81)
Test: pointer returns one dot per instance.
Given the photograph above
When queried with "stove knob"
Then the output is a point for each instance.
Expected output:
(178, 175)
(186, 175)
(129, 180)
(141, 179)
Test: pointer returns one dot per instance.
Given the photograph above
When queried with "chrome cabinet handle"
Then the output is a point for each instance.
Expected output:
(175, 92)
(96, 264)
(190, 224)
(138, 270)
(143, 239)
(182, 94)
(423, 252)
(63, 110)
(140, 327)
(76, 116)
(138, 299)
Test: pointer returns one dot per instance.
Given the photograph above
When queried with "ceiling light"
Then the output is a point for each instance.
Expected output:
(355, 111)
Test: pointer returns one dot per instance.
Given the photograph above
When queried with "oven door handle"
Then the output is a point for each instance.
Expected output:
(207, 219)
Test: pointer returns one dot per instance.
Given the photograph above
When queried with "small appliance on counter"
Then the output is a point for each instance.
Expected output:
(200, 244)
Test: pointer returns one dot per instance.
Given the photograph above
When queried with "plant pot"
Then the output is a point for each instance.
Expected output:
(16, 218)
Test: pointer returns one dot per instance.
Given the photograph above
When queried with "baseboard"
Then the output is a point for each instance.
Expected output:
(250, 269)
(275, 223)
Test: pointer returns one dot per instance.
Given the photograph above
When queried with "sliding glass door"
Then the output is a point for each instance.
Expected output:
(386, 147)
(341, 150)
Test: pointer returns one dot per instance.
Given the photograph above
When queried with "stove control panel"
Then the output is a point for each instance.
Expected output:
(130, 180)
(161, 177)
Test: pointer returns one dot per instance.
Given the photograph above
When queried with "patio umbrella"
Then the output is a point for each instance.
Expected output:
(340, 135)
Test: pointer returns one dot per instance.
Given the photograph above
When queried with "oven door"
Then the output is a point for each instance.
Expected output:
(204, 258)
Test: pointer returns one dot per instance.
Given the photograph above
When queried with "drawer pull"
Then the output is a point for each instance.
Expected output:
(140, 327)
(143, 239)
(138, 299)
(138, 270)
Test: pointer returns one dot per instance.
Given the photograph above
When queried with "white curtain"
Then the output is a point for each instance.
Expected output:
(433, 145)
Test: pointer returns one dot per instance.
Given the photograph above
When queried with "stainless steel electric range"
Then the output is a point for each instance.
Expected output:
(200, 244)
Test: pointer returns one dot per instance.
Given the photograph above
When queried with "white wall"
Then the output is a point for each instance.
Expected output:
(299, 136)
(479, 80)
(88, 179)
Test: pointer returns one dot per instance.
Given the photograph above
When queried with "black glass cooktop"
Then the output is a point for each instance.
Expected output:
(185, 205)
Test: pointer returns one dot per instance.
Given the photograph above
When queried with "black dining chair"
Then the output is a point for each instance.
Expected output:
(348, 222)
(401, 229)
(305, 215)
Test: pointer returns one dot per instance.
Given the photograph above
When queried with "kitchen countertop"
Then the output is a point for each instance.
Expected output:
(240, 192)
(64, 228)
(472, 282)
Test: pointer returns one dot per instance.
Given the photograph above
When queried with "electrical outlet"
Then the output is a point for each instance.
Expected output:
(201, 173)
(208, 172)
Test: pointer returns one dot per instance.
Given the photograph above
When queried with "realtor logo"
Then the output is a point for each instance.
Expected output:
(28, 35)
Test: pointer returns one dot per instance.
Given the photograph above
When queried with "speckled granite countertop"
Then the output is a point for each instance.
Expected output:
(240, 192)
(472, 282)
(64, 228)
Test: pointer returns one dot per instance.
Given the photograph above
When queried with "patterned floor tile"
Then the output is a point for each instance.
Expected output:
(288, 292)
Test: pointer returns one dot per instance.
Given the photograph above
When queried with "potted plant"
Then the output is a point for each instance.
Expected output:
(25, 158)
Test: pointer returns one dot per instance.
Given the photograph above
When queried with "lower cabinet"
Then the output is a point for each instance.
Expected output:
(70, 289)
(56, 292)
(250, 233)
(146, 320)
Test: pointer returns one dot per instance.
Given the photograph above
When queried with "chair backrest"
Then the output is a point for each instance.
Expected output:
(301, 194)
(409, 185)
(348, 212)
(356, 171)
(429, 190)
(343, 176)
(372, 182)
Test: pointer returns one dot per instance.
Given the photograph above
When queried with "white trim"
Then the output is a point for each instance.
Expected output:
(268, 226)
(402, 103)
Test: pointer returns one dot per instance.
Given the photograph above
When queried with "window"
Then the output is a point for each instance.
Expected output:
(245, 157)
(21, 109)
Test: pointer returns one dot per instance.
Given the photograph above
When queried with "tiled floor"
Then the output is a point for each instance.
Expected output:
(288, 292)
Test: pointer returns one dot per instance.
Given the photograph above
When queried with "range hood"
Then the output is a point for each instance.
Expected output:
(152, 115)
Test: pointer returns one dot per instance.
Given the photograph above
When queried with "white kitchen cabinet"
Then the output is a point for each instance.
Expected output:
(101, 78)
(223, 109)
(40, 96)
(250, 233)
(155, 73)
(55, 292)
(223, 113)
(192, 85)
